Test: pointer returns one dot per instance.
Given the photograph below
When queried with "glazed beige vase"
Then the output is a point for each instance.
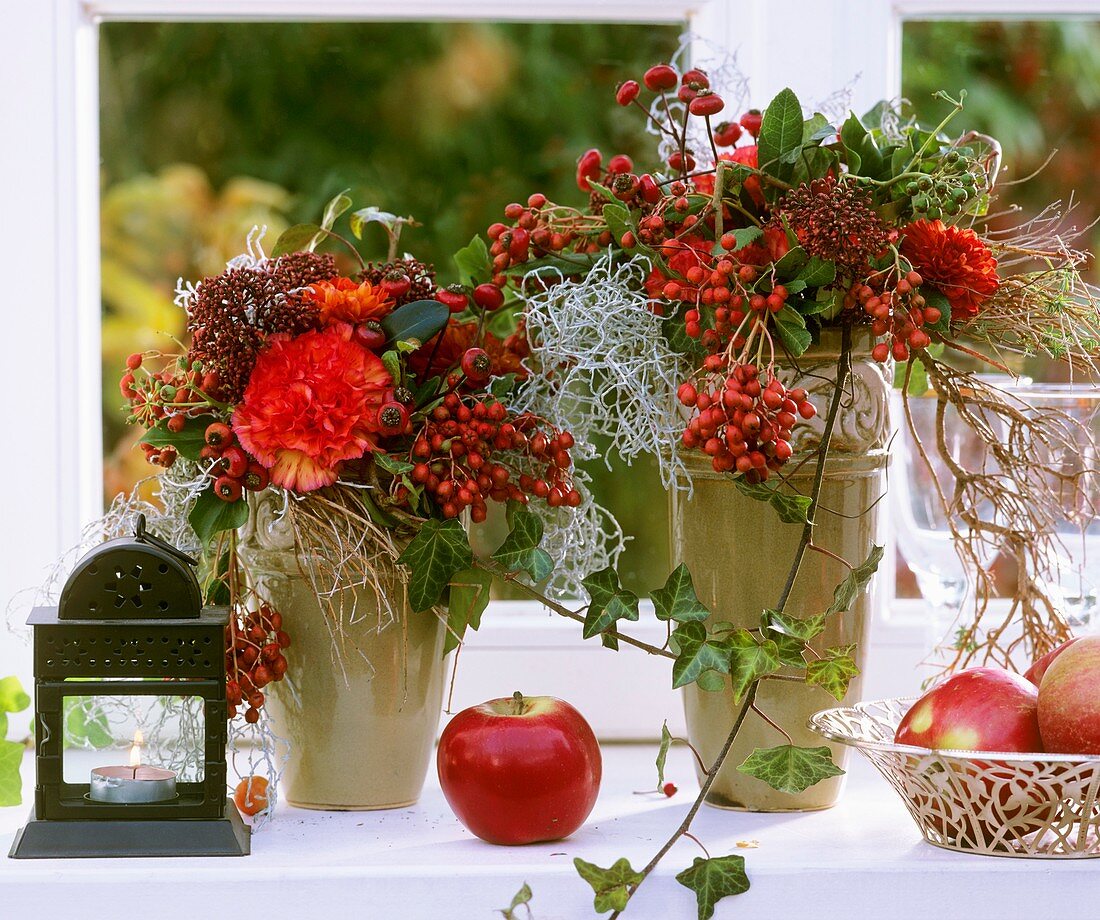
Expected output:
(739, 554)
(360, 709)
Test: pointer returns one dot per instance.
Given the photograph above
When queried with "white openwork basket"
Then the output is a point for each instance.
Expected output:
(996, 804)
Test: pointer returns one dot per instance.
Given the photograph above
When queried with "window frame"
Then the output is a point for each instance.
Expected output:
(50, 51)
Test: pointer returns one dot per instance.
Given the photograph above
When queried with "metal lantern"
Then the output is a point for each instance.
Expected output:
(130, 624)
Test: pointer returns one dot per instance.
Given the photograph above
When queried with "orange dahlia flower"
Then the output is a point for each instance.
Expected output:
(955, 260)
(344, 301)
(311, 403)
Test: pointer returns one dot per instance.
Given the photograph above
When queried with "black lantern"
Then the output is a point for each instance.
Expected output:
(131, 624)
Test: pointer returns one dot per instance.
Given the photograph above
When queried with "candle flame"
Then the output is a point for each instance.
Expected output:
(135, 750)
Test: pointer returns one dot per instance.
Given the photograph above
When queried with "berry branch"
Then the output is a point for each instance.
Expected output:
(842, 371)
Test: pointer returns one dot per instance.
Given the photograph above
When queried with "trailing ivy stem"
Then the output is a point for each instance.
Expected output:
(510, 577)
(843, 368)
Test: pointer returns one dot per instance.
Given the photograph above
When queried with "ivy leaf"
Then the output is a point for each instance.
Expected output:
(744, 236)
(780, 128)
(662, 753)
(713, 879)
(419, 320)
(466, 602)
(13, 698)
(612, 886)
(816, 129)
(677, 600)
(392, 465)
(618, 221)
(791, 508)
(750, 659)
(791, 651)
(790, 769)
(520, 550)
(697, 654)
(11, 757)
(795, 627)
(297, 238)
(473, 261)
(855, 581)
(434, 555)
(188, 442)
(211, 515)
(791, 326)
(523, 896)
(609, 603)
(337, 206)
(833, 672)
(86, 724)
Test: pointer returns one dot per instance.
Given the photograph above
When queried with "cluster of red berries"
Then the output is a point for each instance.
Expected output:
(470, 451)
(232, 470)
(254, 645)
(174, 393)
(692, 88)
(897, 311)
(744, 422)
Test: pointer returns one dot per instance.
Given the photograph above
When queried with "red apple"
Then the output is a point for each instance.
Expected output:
(1069, 700)
(979, 709)
(1039, 667)
(520, 769)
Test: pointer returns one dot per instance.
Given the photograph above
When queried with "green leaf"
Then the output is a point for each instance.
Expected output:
(790, 651)
(337, 206)
(934, 297)
(501, 387)
(791, 326)
(780, 129)
(520, 551)
(86, 723)
(817, 272)
(11, 786)
(713, 879)
(612, 886)
(211, 515)
(750, 659)
(662, 753)
(856, 580)
(392, 361)
(790, 769)
(677, 600)
(791, 263)
(618, 221)
(789, 625)
(744, 236)
(791, 508)
(419, 320)
(13, 698)
(813, 163)
(918, 377)
(188, 443)
(816, 129)
(466, 602)
(864, 157)
(833, 672)
(438, 551)
(523, 896)
(392, 465)
(696, 654)
(609, 602)
(473, 262)
(373, 215)
(297, 238)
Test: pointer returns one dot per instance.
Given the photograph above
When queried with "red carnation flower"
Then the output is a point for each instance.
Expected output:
(311, 403)
(954, 260)
(746, 156)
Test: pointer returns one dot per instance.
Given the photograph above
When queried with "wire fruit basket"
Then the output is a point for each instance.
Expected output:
(1043, 806)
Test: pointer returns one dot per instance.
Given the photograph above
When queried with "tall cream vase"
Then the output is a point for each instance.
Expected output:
(360, 711)
(740, 553)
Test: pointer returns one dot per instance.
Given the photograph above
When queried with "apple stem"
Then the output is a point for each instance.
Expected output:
(520, 705)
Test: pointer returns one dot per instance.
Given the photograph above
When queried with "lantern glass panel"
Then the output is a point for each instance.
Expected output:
(100, 731)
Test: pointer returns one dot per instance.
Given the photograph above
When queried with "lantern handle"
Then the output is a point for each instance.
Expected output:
(144, 536)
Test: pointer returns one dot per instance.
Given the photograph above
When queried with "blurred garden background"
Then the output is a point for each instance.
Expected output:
(208, 129)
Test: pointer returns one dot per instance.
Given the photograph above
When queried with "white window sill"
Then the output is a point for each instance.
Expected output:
(861, 859)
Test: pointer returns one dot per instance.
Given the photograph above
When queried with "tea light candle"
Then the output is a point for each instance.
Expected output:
(132, 785)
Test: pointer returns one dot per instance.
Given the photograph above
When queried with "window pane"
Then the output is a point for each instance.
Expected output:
(210, 128)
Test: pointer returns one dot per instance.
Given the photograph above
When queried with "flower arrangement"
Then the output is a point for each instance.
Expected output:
(670, 311)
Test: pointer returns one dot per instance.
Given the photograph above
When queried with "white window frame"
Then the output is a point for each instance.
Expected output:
(51, 468)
